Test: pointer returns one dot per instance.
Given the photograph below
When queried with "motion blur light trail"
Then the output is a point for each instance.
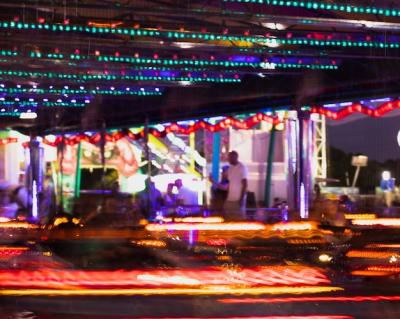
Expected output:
(169, 291)
(388, 222)
(276, 317)
(312, 299)
(205, 226)
(251, 277)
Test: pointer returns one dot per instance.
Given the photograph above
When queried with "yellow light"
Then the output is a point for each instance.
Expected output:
(306, 241)
(150, 243)
(210, 220)
(17, 225)
(377, 222)
(383, 246)
(360, 216)
(294, 226)
(371, 254)
(325, 258)
(4, 219)
(60, 220)
(222, 290)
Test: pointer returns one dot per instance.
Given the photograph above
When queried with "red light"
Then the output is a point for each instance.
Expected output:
(41, 20)
(117, 54)
(66, 21)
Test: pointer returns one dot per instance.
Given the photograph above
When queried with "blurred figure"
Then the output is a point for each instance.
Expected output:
(170, 197)
(235, 205)
(219, 191)
(149, 200)
(185, 196)
(387, 186)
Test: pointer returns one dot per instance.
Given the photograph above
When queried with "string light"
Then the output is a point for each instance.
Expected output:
(331, 7)
(80, 91)
(109, 77)
(358, 107)
(194, 36)
(171, 128)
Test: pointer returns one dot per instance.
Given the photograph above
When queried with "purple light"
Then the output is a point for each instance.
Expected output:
(59, 100)
(2, 85)
(45, 100)
(128, 89)
(157, 90)
(3, 110)
(87, 101)
(66, 87)
(112, 88)
(73, 101)
(142, 89)
(81, 87)
(245, 58)
(31, 100)
(19, 86)
(17, 99)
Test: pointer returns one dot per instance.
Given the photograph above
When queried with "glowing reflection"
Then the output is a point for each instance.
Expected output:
(169, 291)
(360, 216)
(260, 276)
(371, 254)
(311, 299)
(294, 226)
(389, 222)
(205, 226)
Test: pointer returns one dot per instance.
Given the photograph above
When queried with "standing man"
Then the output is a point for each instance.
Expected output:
(235, 205)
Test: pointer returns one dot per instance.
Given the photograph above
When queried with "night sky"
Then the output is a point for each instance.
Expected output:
(376, 138)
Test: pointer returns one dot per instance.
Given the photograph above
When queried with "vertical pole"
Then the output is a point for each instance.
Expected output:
(36, 173)
(78, 172)
(270, 160)
(148, 159)
(192, 145)
(216, 155)
(356, 176)
(305, 158)
(61, 173)
(291, 156)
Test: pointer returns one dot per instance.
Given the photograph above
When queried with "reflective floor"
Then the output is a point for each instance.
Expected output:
(202, 269)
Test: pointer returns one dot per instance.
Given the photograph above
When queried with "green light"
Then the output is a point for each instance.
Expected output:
(208, 36)
(90, 77)
(78, 92)
(387, 12)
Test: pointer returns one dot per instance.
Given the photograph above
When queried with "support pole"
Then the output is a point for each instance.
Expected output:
(291, 136)
(77, 192)
(216, 155)
(148, 159)
(270, 160)
(192, 145)
(304, 168)
(36, 174)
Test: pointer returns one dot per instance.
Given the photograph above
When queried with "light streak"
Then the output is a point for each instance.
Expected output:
(383, 246)
(190, 219)
(311, 299)
(17, 225)
(205, 226)
(371, 254)
(299, 226)
(260, 276)
(277, 317)
(150, 243)
(360, 216)
(168, 291)
(389, 222)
